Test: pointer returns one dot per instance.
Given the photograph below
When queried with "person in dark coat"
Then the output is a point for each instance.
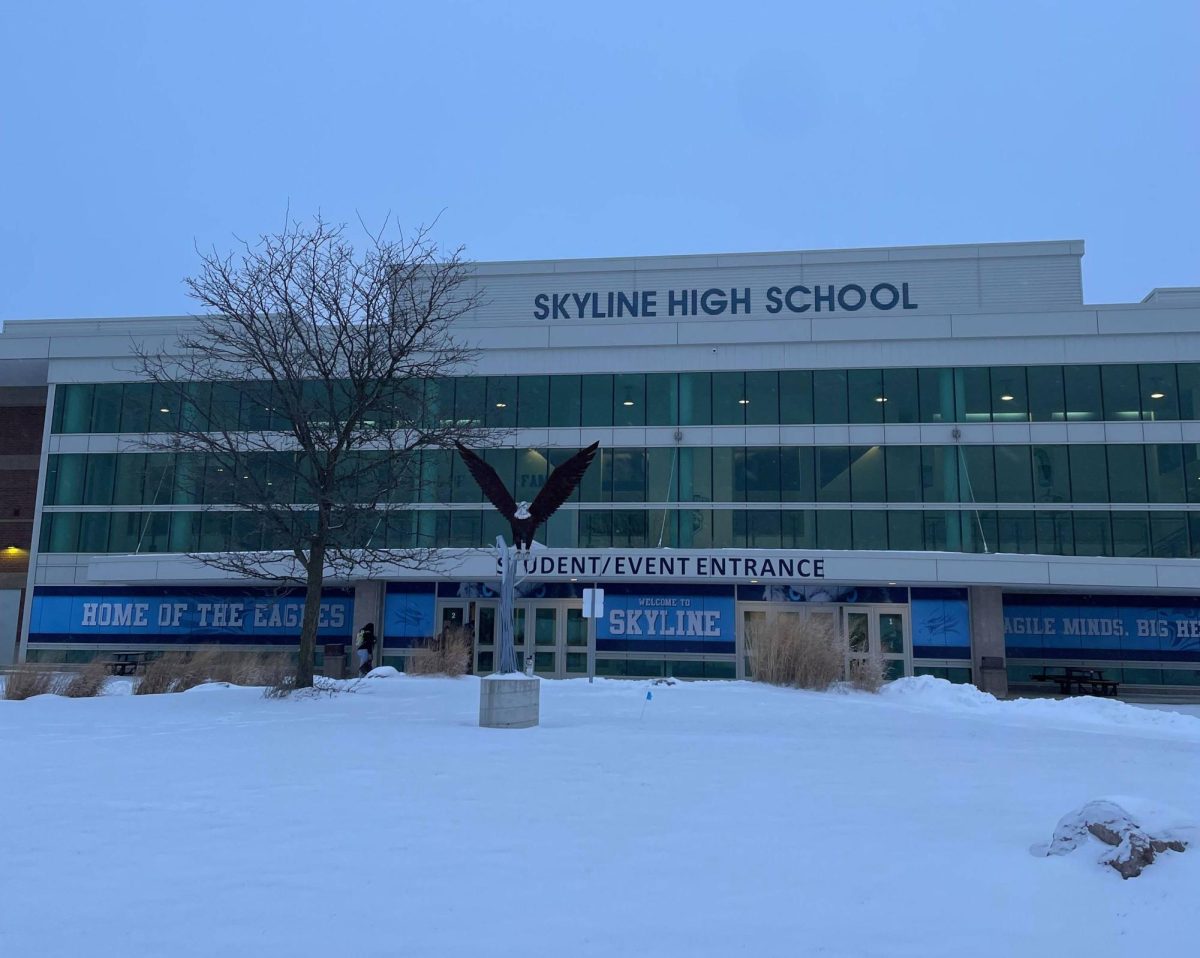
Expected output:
(366, 648)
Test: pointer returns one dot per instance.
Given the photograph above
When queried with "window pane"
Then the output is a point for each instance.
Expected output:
(98, 487)
(77, 408)
(762, 474)
(829, 396)
(866, 398)
(1191, 471)
(630, 529)
(1169, 535)
(501, 411)
(757, 529)
(131, 473)
(695, 399)
(68, 487)
(799, 529)
(900, 390)
(470, 395)
(833, 529)
(867, 474)
(939, 473)
(135, 407)
(1015, 532)
(1164, 473)
(905, 530)
(662, 475)
(1046, 393)
(937, 395)
(1051, 474)
(1120, 386)
(973, 394)
(795, 397)
(1009, 400)
(629, 400)
(1055, 533)
(1089, 474)
(762, 395)
(1160, 394)
(662, 402)
(533, 401)
(729, 399)
(628, 476)
(1126, 473)
(598, 477)
(597, 400)
(1093, 534)
(903, 473)
(695, 475)
(1082, 384)
(1189, 390)
(796, 474)
(723, 467)
(869, 529)
(938, 531)
(532, 470)
(106, 408)
(977, 474)
(833, 474)
(1013, 474)
(1131, 534)
(565, 409)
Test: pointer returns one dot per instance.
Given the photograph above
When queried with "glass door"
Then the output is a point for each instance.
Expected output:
(876, 630)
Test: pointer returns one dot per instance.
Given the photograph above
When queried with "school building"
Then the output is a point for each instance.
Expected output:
(942, 453)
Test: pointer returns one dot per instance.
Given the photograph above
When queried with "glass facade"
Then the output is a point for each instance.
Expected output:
(1082, 393)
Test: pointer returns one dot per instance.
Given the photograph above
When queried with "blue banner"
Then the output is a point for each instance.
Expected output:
(156, 615)
(408, 615)
(1034, 628)
(683, 623)
(940, 628)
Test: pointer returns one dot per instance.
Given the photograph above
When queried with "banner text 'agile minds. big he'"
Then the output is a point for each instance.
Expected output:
(721, 301)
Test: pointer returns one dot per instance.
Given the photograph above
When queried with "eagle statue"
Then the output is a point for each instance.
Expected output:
(525, 517)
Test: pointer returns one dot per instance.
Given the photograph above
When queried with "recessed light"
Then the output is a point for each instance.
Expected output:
(164, 409)
(1157, 395)
(743, 402)
(1006, 398)
(753, 581)
(627, 402)
(891, 583)
(881, 398)
(501, 405)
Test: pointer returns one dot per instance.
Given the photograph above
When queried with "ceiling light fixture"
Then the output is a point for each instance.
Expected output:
(1006, 398)
(1157, 395)
(881, 398)
(627, 402)
(501, 405)
(743, 402)
(164, 409)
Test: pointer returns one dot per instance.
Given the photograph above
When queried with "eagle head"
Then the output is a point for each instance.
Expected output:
(522, 511)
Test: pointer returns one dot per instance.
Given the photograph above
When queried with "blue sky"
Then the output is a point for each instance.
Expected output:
(130, 132)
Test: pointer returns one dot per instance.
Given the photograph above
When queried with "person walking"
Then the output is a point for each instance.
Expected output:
(366, 648)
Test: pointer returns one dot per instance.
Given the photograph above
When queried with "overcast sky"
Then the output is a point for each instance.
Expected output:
(132, 131)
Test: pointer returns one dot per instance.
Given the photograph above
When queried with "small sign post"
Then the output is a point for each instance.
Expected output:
(593, 609)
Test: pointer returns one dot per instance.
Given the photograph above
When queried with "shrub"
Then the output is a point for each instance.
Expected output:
(29, 679)
(180, 671)
(868, 674)
(86, 683)
(447, 654)
(802, 653)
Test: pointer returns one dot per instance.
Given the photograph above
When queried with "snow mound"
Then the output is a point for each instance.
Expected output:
(383, 672)
(927, 692)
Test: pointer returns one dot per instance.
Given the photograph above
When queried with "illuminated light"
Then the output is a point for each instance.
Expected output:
(891, 583)
(753, 581)
(881, 398)
(627, 402)
(14, 551)
(501, 405)
(164, 409)
(743, 402)
(1006, 398)
(1157, 395)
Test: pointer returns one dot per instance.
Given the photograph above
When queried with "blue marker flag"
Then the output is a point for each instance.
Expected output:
(649, 696)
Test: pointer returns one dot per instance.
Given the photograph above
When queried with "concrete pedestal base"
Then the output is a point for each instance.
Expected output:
(509, 701)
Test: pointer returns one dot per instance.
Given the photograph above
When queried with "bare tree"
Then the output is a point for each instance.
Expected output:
(332, 358)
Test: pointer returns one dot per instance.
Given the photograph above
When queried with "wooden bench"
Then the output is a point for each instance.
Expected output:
(126, 663)
(1078, 681)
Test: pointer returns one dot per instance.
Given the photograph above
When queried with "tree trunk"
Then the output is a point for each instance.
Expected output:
(312, 613)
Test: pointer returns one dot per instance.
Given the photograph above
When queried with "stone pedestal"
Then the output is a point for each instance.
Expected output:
(509, 701)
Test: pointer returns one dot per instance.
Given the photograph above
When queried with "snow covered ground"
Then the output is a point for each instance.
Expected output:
(715, 819)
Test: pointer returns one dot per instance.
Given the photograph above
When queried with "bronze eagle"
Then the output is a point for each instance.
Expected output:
(524, 517)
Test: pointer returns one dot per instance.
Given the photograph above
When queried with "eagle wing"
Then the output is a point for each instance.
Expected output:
(492, 485)
(561, 484)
